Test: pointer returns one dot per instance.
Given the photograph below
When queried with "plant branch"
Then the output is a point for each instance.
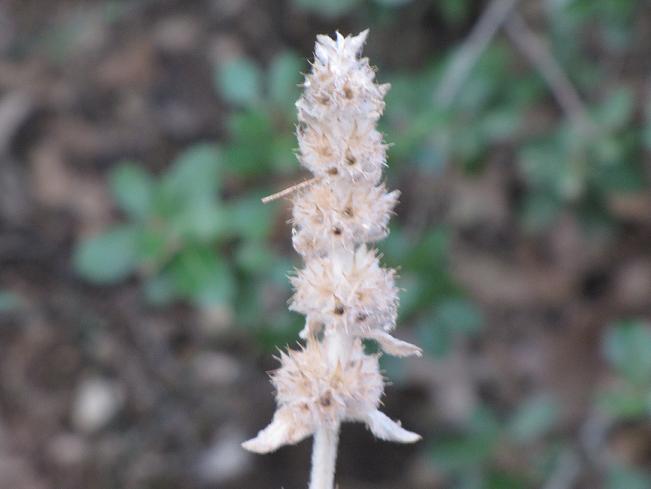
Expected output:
(467, 55)
(534, 49)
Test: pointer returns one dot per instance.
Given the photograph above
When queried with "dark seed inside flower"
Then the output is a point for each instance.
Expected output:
(336, 231)
(350, 159)
(326, 399)
(348, 211)
(339, 310)
(332, 171)
(361, 317)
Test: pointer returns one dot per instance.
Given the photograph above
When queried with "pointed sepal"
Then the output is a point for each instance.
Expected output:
(385, 428)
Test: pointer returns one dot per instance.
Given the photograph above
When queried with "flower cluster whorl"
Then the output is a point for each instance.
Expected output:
(343, 291)
(352, 293)
(319, 391)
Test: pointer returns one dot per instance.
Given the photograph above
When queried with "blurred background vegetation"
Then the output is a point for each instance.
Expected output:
(143, 285)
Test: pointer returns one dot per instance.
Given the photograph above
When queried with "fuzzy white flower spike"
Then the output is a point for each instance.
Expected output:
(344, 292)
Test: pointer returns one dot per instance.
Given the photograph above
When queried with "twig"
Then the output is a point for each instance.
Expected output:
(565, 473)
(541, 58)
(289, 190)
(471, 49)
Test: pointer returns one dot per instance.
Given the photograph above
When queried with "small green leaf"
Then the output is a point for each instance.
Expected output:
(132, 187)
(201, 275)
(471, 448)
(533, 419)
(393, 3)
(109, 257)
(248, 218)
(331, 8)
(624, 402)
(284, 77)
(201, 220)
(459, 315)
(254, 257)
(616, 110)
(239, 81)
(627, 478)
(9, 301)
(500, 479)
(250, 152)
(627, 347)
(152, 247)
(194, 175)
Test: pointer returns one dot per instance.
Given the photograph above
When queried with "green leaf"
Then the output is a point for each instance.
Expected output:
(500, 479)
(9, 301)
(249, 218)
(460, 453)
(194, 176)
(254, 257)
(250, 152)
(109, 257)
(239, 81)
(452, 317)
(201, 275)
(627, 348)
(471, 448)
(459, 315)
(331, 8)
(624, 402)
(282, 154)
(540, 209)
(533, 419)
(132, 187)
(152, 247)
(627, 478)
(616, 110)
(284, 77)
(454, 11)
(200, 220)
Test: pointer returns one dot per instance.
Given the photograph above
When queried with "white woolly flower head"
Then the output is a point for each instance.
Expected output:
(338, 112)
(327, 217)
(349, 149)
(344, 292)
(350, 292)
(312, 392)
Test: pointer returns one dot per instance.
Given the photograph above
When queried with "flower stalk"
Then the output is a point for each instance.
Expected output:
(343, 291)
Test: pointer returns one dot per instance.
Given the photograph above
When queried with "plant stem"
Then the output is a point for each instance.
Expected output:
(326, 437)
(324, 457)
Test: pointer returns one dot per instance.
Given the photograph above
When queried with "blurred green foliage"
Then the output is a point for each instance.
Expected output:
(627, 399)
(193, 234)
(627, 348)
(470, 457)
(9, 301)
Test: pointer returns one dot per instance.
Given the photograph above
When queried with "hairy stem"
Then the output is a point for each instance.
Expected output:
(324, 457)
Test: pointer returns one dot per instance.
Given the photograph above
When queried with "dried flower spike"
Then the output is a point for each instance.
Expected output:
(343, 291)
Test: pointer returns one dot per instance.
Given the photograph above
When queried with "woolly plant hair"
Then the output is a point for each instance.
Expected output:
(343, 291)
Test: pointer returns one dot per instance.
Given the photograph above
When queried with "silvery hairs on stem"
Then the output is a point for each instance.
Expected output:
(343, 291)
